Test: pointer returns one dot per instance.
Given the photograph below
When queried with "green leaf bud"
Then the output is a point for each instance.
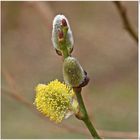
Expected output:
(73, 73)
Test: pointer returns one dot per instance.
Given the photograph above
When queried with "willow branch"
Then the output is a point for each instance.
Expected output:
(44, 9)
(123, 13)
(103, 133)
(83, 115)
(16, 94)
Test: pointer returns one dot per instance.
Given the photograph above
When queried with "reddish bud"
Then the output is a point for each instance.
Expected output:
(64, 23)
(60, 34)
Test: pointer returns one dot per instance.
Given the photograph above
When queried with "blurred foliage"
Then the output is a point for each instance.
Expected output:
(103, 47)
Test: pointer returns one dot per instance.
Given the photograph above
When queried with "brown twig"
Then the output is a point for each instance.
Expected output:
(109, 134)
(17, 96)
(123, 13)
(30, 106)
(44, 9)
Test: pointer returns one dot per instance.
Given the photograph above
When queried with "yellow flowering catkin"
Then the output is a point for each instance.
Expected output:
(53, 100)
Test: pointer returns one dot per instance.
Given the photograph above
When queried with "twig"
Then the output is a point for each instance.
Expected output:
(44, 9)
(30, 106)
(17, 96)
(103, 133)
(84, 115)
(73, 129)
(126, 22)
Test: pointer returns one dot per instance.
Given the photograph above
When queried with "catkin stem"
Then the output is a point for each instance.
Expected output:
(83, 115)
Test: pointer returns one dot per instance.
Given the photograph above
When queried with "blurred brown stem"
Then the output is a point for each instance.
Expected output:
(103, 133)
(15, 94)
(123, 13)
(44, 9)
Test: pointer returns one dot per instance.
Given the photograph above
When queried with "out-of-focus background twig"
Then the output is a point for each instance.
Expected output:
(126, 22)
(102, 47)
(15, 94)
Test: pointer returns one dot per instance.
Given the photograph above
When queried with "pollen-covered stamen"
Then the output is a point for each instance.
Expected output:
(54, 100)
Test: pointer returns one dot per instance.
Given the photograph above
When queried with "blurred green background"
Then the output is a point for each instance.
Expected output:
(103, 47)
